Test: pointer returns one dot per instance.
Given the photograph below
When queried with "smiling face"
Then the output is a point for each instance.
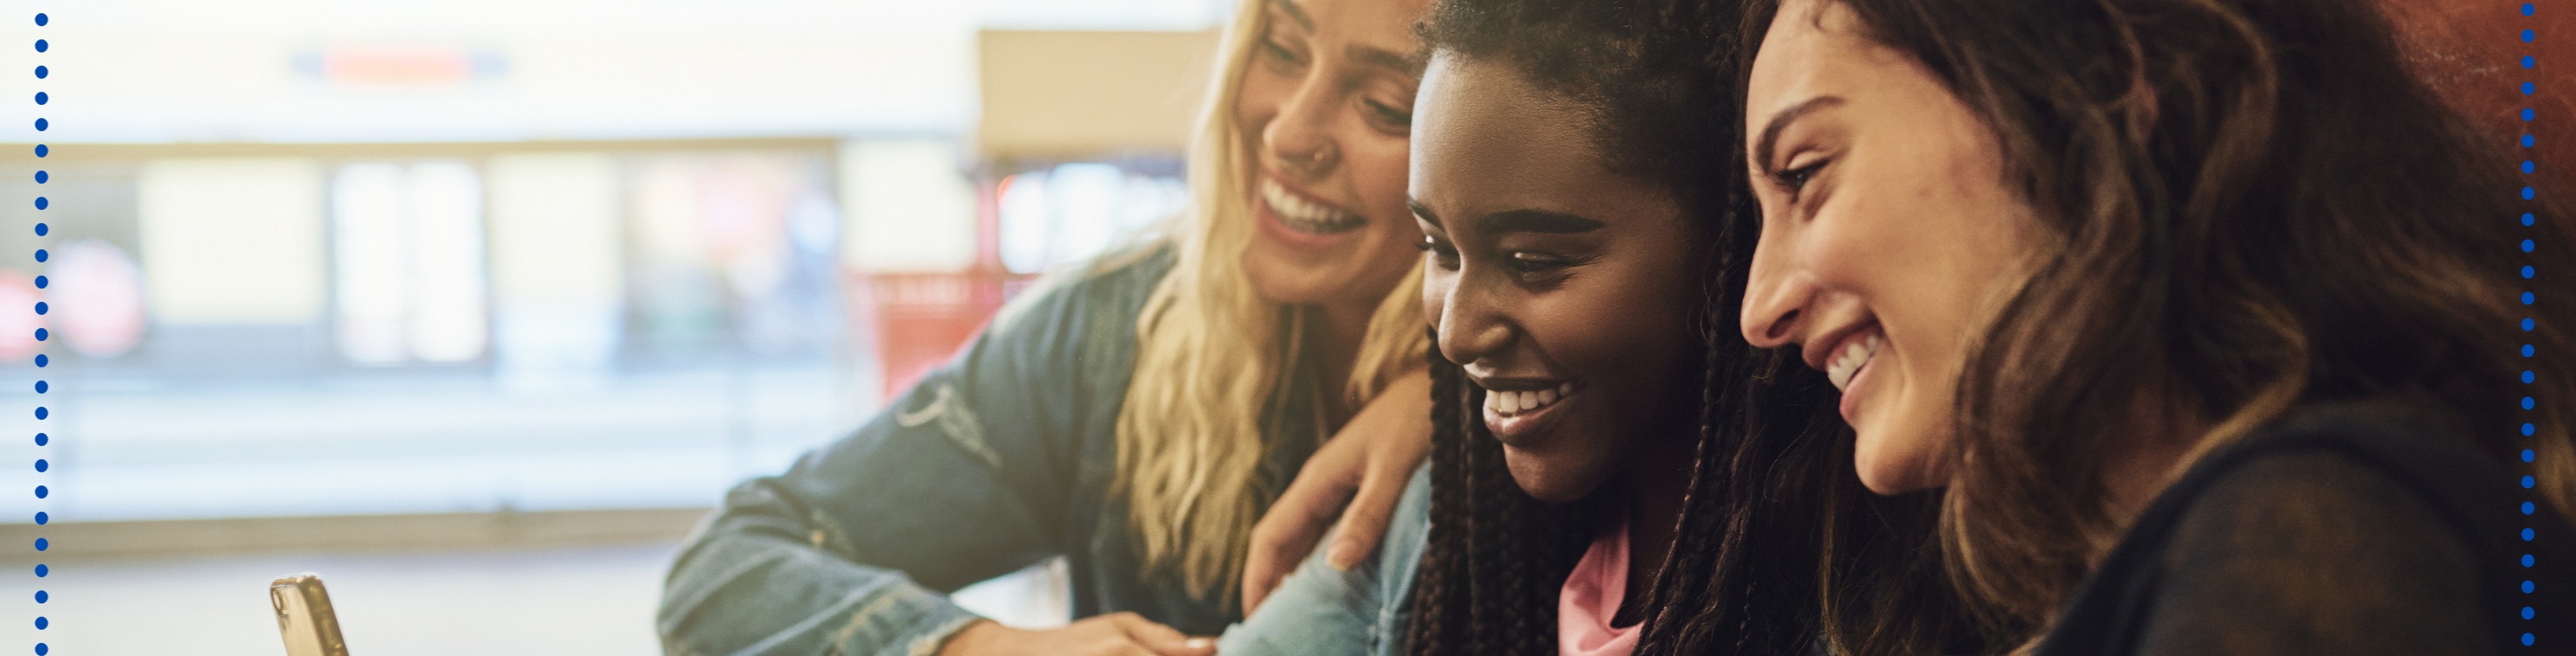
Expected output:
(1889, 238)
(1564, 290)
(1325, 109)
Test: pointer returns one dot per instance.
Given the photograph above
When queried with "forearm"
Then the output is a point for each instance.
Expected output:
(749, 583)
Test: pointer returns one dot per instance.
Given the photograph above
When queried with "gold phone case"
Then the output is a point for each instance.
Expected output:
(304, 616)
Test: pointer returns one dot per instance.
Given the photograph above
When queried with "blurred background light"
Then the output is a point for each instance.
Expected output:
(415, 290)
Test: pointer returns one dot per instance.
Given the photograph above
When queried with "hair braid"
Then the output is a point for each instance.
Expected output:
(1489, 573)
(1439, 588)
(1776, 544)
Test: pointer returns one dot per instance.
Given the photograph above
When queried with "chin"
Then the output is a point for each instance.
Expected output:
(1287, 282)
(1551, 483)
(1893, 464)
(1883, 483)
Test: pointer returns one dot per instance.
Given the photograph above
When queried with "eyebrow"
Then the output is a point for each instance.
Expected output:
(1294, 12)
(1422, 210)
(1538, 221)
(1410, 65)
(1780, 121)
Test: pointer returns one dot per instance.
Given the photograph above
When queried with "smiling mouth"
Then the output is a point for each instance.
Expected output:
(1512, 403)
(1303, 215)
(1854, 355)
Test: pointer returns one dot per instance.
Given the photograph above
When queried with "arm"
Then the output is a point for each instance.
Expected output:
(1323, 609)
(853, 549)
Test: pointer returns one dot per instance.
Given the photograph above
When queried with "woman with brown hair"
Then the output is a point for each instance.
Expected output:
(2216, 329)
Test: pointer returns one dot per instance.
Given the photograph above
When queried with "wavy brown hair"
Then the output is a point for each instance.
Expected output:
(2256, 205)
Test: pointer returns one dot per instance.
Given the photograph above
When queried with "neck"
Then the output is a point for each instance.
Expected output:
(2140, 466)
(1656, 486)
(1337, 330)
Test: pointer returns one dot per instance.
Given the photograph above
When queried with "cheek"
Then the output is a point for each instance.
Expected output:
(1624, 332)
(1258, 100)
(1379, 163)
(1435, 291)
(1899, 234)
(1852, 247)
(1930, 252)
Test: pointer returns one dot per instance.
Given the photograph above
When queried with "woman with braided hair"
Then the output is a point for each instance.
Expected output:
(1613, 471)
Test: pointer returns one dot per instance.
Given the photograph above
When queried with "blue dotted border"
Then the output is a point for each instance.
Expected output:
(41, 387)
(2530, 506)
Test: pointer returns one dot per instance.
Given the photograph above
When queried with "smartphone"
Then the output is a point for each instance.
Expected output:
(304, 615)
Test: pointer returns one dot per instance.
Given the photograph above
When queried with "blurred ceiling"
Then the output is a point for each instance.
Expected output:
(164, 71)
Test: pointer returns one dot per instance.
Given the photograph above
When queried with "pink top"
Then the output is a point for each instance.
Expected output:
(1591, 597)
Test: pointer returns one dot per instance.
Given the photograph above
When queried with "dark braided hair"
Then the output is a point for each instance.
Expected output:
(1775, 528)
(1496, 556)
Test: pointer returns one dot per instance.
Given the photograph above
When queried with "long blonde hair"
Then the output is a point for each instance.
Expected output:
(1211, 355)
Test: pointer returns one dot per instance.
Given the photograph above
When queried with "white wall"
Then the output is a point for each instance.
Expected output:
(232, 240)
(555, 265)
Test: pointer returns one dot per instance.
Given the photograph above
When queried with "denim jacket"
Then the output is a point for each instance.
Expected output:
(1321, 611)
(998, 460)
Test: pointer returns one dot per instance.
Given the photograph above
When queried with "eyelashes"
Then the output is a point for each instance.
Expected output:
(1270, 46)
(1526, 263)
(1442, 254)
(1390, 117)
(1526, 266)
(1794, 180)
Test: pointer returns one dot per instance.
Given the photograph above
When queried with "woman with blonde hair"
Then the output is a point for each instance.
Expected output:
(1136, 416)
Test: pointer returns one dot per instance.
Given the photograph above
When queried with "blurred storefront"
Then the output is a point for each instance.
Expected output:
(335, 278)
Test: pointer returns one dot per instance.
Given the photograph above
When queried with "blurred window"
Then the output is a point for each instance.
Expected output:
(1075, 212)
(407, 265)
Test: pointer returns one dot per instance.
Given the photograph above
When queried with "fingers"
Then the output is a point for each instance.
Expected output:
(1363, 525)
(1295, 522)
(1283, 536)
(1195, 646)
(1201, 647)
(974, 639)
(1358, 477)
(1265, 565)
(1399, 448)
(1161, 640)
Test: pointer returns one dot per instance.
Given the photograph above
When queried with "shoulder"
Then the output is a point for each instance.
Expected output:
(1118, 283)
(2318, 522)
(2344, 463)
(1078, 319)
(2329, 469)
(2335, 530)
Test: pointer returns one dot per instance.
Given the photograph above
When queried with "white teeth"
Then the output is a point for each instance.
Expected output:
(1843, 365)
(1305, 215)
(1513, 402)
